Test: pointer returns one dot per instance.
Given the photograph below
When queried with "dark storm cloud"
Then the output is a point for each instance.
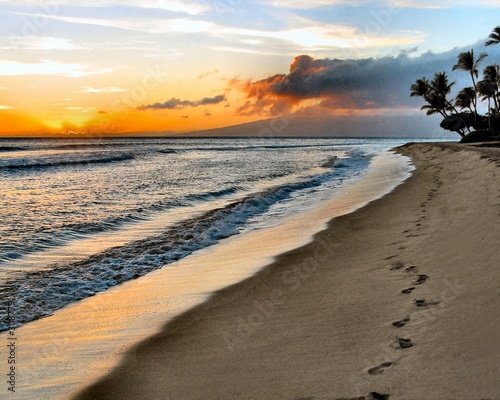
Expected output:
(362, 83)
(177, 104)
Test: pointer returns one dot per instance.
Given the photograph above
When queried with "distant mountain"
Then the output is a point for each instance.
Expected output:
(329, 126)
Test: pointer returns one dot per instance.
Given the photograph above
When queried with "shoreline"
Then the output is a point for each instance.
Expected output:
(111, 322)
(330, 320)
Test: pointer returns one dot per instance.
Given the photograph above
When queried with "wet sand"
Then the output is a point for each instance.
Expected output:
(399, 298)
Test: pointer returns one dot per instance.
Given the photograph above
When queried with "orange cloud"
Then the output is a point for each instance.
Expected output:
(209, 73)
(335, 85)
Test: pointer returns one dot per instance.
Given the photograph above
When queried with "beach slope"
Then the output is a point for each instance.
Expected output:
(399, 299)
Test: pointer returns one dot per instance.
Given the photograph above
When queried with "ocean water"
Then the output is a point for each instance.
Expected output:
(79, 216)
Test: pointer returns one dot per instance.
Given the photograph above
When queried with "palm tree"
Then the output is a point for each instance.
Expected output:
(420, 88)
(492, 74)
(465, 98)
(488, 90)
(467, 62)
(441, 85)
(435, 104)
(494, 37)
(435, 94)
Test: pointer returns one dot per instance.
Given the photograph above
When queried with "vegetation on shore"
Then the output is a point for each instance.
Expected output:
(461, 114)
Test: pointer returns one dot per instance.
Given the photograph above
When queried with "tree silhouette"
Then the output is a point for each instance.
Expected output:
(461, 113)
(435, 93)
(494, 37)
(487, 90)
(465, 99)
(492, 75)
(467, 62)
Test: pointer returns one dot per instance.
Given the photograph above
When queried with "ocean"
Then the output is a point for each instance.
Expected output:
(81, 216)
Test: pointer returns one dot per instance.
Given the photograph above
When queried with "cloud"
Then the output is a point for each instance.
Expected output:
(185, 7)
(13, 68)
(176, 104)
(432, 4)
(341, 84)
(40, 43)
(313, 4)
(243, 50)
(81, 109)
(314, 35)
(88, 89)
(46, 67)
(209, 73)
(304, 5)
(147, 25)
(2, 107)
(302, 33)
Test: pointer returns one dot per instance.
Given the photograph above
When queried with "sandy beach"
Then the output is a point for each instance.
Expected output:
(397, 300)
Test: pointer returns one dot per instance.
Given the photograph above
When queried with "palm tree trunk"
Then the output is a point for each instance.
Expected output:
(475, 98)
(495, 102)
(489, 115)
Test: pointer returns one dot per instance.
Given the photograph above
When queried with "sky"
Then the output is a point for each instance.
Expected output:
(109, 66)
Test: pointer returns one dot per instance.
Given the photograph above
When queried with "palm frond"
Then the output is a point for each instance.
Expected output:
(494, 37)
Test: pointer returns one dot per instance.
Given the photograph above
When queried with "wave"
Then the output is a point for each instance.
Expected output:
(331, 162)
(5, 149)
(257, 147)
(38, 294)
(168, 151)
(63, 163)
(57, 236)
(78, 146)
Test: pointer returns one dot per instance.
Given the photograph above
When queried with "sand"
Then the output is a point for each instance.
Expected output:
(399, 298)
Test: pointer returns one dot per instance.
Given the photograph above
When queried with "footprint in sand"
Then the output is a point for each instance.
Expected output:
(424, 303)
(397, 265)
(379, 368)
(421, 303)
(405, 343)
(401, 323)
(421, 279)
(408, 291)
(371, 396)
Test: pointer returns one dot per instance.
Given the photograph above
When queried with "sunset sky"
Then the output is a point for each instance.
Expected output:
(178, 66)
